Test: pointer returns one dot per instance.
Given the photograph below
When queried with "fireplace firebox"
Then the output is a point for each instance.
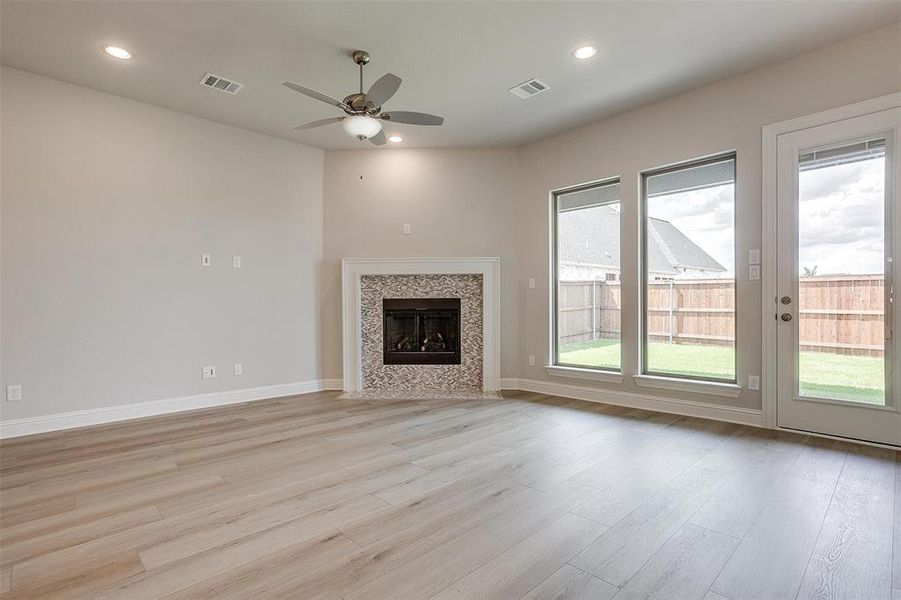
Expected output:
(421, 331)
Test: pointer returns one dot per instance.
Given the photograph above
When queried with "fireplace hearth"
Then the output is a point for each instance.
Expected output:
(421, 331)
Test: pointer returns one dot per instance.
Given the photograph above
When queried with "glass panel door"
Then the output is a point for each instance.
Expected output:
(837, 214)
(841, 266)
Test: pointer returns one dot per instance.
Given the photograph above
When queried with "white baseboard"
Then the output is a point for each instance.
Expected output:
(98, 416)
(688, 408)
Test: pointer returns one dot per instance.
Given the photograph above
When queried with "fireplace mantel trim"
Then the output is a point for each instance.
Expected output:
(353, 269)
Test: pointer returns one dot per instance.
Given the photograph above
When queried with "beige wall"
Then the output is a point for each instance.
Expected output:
(727, 115)
(459, 202)
(495, 202)
(107, 205)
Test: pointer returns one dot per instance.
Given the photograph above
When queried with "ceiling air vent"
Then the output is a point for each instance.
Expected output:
(221, 83)
(529, 88)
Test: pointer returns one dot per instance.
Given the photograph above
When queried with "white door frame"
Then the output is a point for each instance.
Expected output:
(769, 304)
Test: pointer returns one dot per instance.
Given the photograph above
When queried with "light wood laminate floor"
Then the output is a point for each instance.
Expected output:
(526, 497)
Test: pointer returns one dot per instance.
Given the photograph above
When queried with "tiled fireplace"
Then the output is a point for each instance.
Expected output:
(409, 370)
(419, 328)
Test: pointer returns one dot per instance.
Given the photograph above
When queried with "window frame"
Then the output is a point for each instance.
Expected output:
(556, 367)
(645, 373)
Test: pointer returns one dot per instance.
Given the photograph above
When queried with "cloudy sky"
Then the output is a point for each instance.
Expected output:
(841, 218)
(706, 216)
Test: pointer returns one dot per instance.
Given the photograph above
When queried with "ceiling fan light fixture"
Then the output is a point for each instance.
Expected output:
(362, 127)
(585, 52)
(364, 109)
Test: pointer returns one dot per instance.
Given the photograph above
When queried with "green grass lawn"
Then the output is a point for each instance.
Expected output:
(857, 378)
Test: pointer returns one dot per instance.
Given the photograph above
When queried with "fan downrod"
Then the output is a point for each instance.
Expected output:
(359, 103)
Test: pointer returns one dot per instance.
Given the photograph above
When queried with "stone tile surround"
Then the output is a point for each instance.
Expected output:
(463, 378)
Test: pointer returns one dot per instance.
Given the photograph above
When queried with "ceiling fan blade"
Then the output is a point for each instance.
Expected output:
(314, 94)
(412, 118)
(382, 90)
(378, 139)
(319, 123)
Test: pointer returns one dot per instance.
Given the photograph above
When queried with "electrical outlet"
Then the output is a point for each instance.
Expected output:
(236, 262)
(205, 260)
(531, 283)
(531, 360)
(208, 372)
(13, 393)
(239, 369)
(754, 382)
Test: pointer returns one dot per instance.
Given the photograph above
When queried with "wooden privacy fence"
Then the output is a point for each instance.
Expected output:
(838, 314)
(843, 315)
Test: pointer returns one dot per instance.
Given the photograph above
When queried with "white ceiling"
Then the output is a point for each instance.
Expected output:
(457, 59)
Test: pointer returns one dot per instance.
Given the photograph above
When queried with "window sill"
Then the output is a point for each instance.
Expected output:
(712, 388)
(589, 374)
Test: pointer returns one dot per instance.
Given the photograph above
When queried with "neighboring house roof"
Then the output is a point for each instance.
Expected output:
(680, 252)
(590, 236)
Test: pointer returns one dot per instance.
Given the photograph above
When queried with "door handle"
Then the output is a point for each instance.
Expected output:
(785, 300)
(890, 310)
(786, 317)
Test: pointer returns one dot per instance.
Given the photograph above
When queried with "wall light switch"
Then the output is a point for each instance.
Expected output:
(754, 257)
(754, 382)
(531, 360)
(208, 372)
(205, 260)
(408, 228)
(531, 283)
(753, 272)
(13, 393)
(239, 369)
(236, 262)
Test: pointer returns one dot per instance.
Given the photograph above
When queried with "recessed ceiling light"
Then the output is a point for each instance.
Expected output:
(396, 139)
(585, 52)
(117, 52)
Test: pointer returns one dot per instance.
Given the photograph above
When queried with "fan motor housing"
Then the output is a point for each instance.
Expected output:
(360, 103)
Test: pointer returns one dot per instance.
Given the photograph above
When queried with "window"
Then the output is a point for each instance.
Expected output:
(587, 282)
(841, 293)
(688, 261)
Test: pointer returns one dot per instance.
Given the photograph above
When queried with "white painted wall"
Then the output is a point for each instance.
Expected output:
(495, 202)
(458, 202)
(107, 205)
(724, 116)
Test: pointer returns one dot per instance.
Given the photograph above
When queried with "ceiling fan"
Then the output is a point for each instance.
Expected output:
(364, 110)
